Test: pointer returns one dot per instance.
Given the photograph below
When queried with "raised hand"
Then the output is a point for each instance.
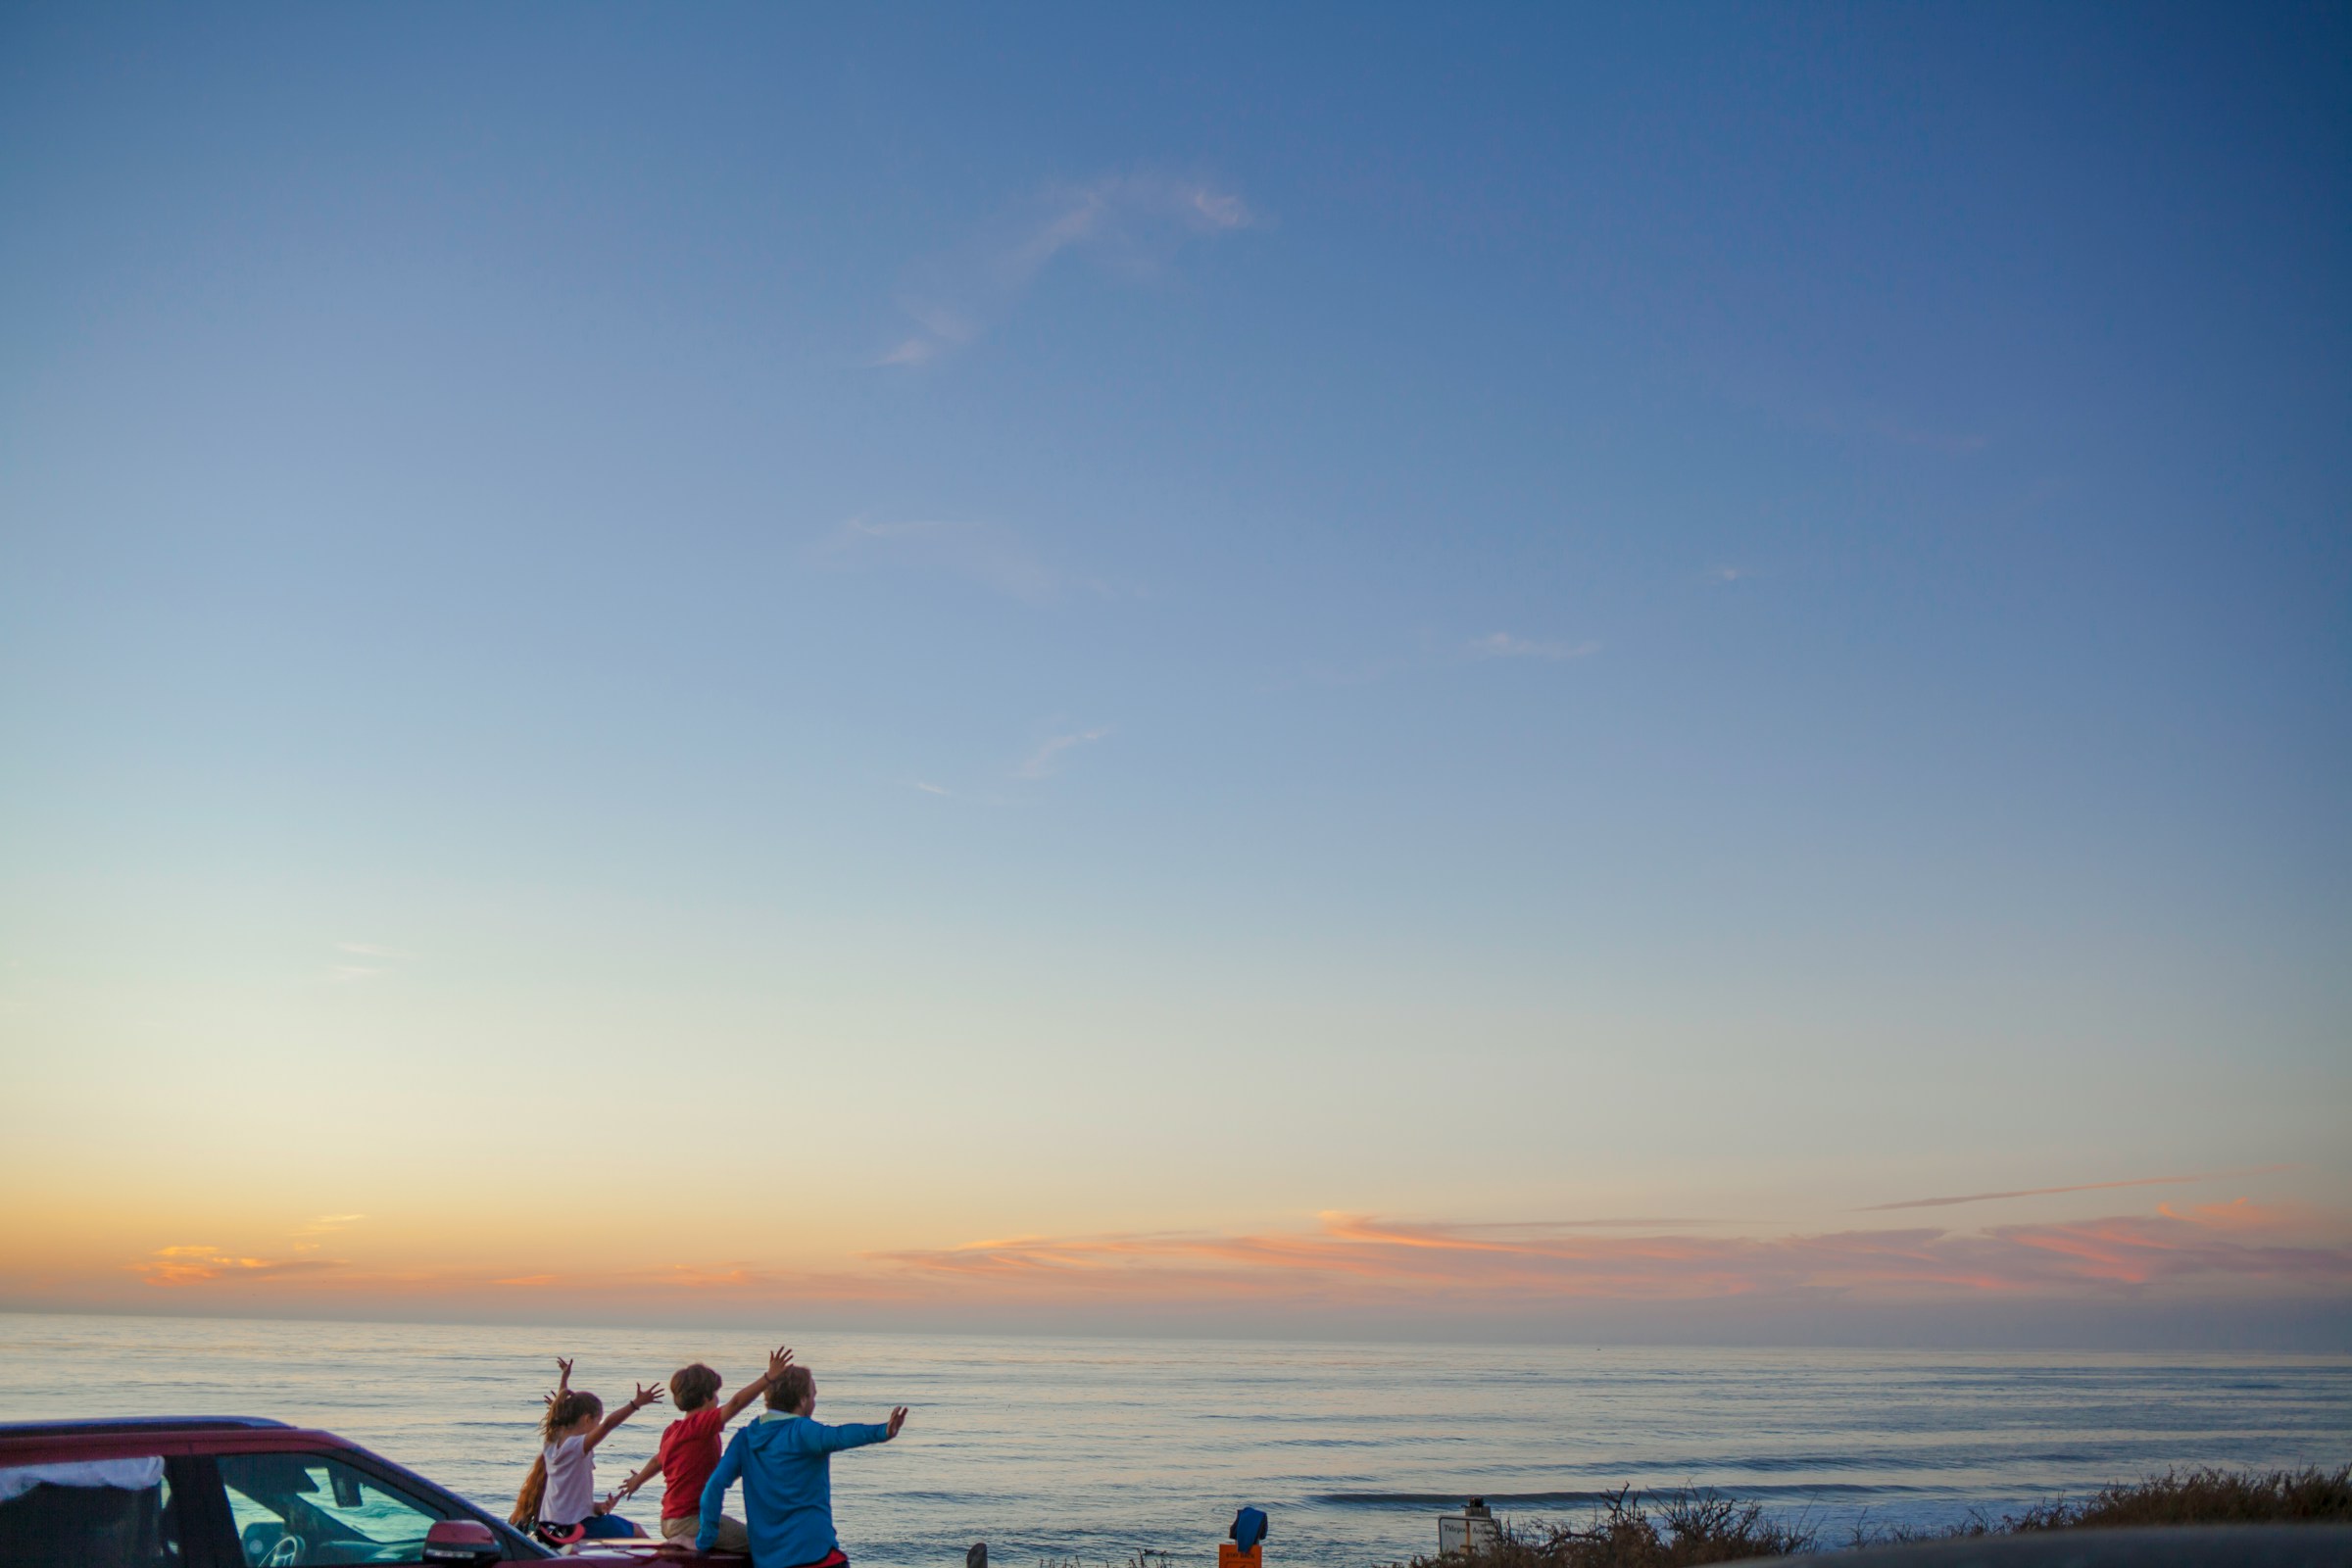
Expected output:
(777, 1360)
(898, 1419)
(646, 1396)
(563, 1374)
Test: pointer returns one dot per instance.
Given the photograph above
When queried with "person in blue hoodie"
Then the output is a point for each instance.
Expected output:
(784, 1461)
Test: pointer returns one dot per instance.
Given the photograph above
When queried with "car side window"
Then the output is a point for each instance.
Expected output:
(107, 1513)
(292, 1510)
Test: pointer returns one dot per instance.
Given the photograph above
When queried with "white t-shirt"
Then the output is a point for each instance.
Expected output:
(570, 1482)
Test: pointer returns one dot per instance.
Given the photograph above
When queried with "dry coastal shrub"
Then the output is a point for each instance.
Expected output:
(2205, 1497)
(1686, 1528)
(1695, 1528)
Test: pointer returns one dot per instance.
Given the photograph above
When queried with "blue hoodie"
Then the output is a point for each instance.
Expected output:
(787, 1487)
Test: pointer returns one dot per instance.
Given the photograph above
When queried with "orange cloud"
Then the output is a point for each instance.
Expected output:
(2241, 1214)
(172, 1266)
(1478, 1265)
(1362, 1263)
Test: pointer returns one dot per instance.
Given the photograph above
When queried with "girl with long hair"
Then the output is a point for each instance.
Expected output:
(558, 1496)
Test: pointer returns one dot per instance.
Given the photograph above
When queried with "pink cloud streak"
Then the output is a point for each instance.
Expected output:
(2212, 1245)
(2241, 1250)
(2080, 1186)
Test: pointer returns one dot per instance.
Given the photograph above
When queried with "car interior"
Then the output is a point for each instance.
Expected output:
(98, 1526)
(292, 1510)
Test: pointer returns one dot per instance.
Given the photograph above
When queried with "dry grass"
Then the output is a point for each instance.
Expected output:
(1690, 1528)
(2206, 1498)
(1624, 1531)
(2194, 1497)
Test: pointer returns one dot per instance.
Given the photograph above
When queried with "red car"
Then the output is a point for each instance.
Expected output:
(227, 1492)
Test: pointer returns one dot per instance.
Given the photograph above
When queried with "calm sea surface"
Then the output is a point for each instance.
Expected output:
(1097, 1449)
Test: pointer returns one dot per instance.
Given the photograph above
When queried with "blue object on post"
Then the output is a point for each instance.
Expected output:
(1248, 1528)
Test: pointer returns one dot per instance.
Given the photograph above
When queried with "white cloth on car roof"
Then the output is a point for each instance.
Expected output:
(132, 1475)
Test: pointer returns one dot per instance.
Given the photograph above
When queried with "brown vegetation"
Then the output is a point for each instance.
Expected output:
(1686, 1527)
(2209, 1497)
(1681, 1529)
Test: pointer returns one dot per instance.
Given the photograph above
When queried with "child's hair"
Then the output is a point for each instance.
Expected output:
(692, 1387)
(789, 1390)
(564, 1409)
(533, 1493)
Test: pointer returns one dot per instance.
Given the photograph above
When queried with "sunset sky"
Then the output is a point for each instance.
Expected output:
(1673, 672)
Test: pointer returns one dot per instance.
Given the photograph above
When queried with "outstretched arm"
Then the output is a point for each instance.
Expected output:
(563, 1379)
(856, 1434)
(777, 1360)
(604, 1427)
(629, 1489)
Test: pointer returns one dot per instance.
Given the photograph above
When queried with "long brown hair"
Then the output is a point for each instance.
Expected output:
(561, 1412)
(533, 1493)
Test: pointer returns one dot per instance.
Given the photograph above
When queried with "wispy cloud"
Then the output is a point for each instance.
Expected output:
(1502, 645)
(1842, 416)
(1427, 1270)
(1526, 1227)
(932, 788)
(1046, 760)
(2083, 1187)
(1469, 1265)
(995, 558)
(1723, 575)
(175, 1266)
(383, 960)
(914, 351)
(721, 1277)
(1438, 650)
(2243, 1214)
(1132, 224)
(327, 1224)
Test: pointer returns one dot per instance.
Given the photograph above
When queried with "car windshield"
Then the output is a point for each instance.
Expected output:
(296, 1509)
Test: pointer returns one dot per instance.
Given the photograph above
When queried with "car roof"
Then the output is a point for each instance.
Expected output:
(64, 1442)
(155, 1425)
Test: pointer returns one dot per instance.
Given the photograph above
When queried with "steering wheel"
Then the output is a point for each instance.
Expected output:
(287, 1554)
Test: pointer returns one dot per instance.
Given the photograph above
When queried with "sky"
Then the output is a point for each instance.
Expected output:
(1538, 673)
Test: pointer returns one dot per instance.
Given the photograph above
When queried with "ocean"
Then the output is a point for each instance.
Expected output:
(1093, 1450)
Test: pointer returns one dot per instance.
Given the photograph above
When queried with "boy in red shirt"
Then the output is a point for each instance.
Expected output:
(690, 1449)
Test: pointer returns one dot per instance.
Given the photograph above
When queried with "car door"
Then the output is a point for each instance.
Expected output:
(110, 1510)
(312, 1507)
